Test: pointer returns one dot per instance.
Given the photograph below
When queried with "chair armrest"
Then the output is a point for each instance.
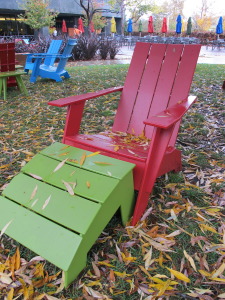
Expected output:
(170, 116)
(80, 98)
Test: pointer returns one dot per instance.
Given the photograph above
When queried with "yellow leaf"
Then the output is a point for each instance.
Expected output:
(92, 154)
(160, 259)
(82, 160)
(64, 147)
(164, 287)
(218, 279)
(204, 273)
(88, 184)
(97, 282)
(63, 154)
(124, 274)
(207, 227)
(105, 264)
(17, 260)
(190, 259)
(219, 271)
(179, 275)
(102, 163)
(10, 294)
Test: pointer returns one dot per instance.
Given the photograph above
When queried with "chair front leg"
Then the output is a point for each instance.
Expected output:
(158, 146)
(73, 119)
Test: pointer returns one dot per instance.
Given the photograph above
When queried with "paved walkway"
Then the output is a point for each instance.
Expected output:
(207, 56)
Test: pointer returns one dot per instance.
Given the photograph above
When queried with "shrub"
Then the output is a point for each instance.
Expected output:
(103, 49)
(113, 49)
(86, 47)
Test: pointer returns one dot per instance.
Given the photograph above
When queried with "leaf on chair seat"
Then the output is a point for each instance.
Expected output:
(93, 154)
(60, 165)
(101, 163)
(46, 202)
(82, 160)
(68, 187)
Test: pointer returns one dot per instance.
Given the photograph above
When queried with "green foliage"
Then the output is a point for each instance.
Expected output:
(38, 14)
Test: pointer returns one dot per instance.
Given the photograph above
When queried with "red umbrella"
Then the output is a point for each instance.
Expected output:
(150, 25)
(80, 25)
(64, 28)
(91, 27)
(164, 26)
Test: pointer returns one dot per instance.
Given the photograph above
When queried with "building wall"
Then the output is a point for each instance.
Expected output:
(68, 10)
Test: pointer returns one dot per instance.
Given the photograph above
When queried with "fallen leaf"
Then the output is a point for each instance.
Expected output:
(5, 228)
(59, 166)
(34, 192)
(68, 187)
(179, 275)
(46, 202)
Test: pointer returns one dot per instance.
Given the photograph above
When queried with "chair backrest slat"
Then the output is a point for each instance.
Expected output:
(131, 86)
(7, 57)
(53, 49)
(66, 54)
(159, 76)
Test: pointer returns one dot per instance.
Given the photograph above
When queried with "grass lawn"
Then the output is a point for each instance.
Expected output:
(178, 251)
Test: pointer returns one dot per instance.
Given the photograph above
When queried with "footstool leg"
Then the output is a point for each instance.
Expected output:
(4, 87)
(1, 84)
(21, 85)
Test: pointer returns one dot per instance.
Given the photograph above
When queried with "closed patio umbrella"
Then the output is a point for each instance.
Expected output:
(219, 27)
(64, 28)
(189, 26)
(80, 25)
(164, 25)
(179, 24)
(129, 26)
(150, 25)
(113, 25)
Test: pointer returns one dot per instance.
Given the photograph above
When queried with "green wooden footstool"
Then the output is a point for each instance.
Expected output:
(62, 200)
(3, 82)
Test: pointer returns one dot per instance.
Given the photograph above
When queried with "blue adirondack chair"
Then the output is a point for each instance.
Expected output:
(53, 72)
(48, 61)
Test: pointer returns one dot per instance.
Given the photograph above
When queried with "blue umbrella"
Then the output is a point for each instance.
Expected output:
(219, 27)
(179, 24)
(129, 26)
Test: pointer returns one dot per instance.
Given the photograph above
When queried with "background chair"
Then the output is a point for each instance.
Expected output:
(53, 72)
(8, 75)
(48, 61)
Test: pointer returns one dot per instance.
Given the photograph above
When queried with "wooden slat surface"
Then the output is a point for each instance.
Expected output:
(97, 163)
(147, 88)
(165, 82)
(42, 236)
(131, 86)
(90, 185)
(73, 212)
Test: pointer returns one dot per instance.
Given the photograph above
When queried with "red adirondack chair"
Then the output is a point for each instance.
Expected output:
(7, 61)
(154, 98)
